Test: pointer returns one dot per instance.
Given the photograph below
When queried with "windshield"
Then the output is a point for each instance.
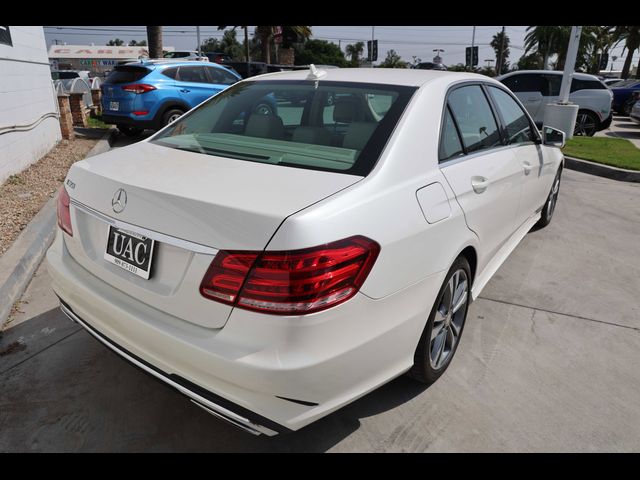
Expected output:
(328, 126)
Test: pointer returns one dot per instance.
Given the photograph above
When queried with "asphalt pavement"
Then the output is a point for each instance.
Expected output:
(548, 362)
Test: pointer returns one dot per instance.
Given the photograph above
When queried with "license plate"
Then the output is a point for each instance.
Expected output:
(115, 106)
(130, 251)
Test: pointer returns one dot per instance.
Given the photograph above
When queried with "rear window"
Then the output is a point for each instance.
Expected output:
(127, 74)
(327, 126)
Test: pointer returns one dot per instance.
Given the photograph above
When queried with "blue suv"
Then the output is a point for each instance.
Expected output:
(152, 94)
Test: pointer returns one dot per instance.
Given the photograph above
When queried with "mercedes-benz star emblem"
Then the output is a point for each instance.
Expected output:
(119, 200)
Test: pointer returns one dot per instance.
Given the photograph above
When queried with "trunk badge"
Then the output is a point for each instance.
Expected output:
(119, 200)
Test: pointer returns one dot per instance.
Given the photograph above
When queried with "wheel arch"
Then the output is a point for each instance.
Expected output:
(165, 107)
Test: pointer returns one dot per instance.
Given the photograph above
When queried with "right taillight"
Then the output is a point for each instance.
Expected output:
(291, 282)
(64, 214)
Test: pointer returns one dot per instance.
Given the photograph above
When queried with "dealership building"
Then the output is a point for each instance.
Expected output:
(96, 59)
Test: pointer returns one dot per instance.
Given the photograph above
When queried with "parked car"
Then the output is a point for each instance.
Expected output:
(275, 268)
(186, 55)
(430, 66)
(152, 94)
(537, 88)
(217, 57)
(70, 74)
(622, 94)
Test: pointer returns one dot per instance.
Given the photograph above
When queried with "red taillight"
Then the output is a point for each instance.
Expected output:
(138, 88)
(64, 214)
(291, 282)
(140, 112)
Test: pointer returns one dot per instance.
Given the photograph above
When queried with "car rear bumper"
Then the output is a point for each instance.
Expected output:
(266, 374)
(127, 120)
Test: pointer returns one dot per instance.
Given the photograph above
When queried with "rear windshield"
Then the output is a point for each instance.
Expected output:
(328, 126)
(127, 74)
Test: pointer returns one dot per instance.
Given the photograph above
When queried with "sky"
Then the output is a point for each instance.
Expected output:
(407, 41)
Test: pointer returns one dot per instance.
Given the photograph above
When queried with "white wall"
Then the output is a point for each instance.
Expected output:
(26, 94)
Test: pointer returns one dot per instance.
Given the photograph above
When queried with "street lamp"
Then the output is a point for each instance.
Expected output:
(437, 58)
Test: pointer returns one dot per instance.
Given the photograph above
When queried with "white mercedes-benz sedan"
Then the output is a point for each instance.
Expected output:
(275, 266)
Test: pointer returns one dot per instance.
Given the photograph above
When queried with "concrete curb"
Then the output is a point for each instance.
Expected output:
(19, 263)
(600, 170)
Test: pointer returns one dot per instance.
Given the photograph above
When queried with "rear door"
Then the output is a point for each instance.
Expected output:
(193, 84)
(530, 88)
(484, 175)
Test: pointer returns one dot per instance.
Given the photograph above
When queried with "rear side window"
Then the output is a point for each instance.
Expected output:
(586, 85)
(220, 76)
(192, 74)
(517, 126)
(554, 83)
(170, 72)
(527, 82)
(127, 74)
(474, 118)
(450, 145)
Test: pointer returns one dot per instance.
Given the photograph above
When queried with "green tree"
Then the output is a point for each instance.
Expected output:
(320, 52)
(544, 40)
(460, 67)
(354, 51)
(631, 37)
(115, 42)
(500, 45)
(135, 43)
(532, 61)
(228, 44)
(210, 45)
(600, 45)
(265, 36)
(393, 60)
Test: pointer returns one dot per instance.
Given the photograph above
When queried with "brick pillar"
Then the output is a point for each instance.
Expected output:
(96, 97)
(66, 120)
(77, 110)
(286, 56)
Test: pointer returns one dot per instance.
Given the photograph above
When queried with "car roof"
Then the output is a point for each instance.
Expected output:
(389, 76)
(578, 75)
(169, 62)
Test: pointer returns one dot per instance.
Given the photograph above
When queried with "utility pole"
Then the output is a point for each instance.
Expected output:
(373, 29)
(500, 55)
(473, 44)
(199, 45)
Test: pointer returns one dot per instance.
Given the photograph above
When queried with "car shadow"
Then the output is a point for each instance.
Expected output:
(121, 140)
(51, 361)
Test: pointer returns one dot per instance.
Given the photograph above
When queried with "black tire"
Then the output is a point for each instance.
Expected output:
(626, 110)
(550, 204)
(587, 123)
(263, 109)
(130, 131)
(423, 369)
(171, 115)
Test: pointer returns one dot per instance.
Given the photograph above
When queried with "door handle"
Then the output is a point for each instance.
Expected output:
(184, 90)
(527, 167)
(479, 184)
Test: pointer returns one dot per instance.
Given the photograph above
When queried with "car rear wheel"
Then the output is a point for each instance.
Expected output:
(130, 131)
(550, 204)
(171, 116)
(442, 333)
(586, 124)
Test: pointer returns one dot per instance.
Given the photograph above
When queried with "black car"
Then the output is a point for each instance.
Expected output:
(430, 66)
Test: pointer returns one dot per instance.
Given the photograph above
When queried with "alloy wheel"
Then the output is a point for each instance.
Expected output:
(585, 125)
(449, 319)
(553, 197)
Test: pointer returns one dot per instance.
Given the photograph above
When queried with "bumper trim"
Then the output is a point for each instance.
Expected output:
(210, 402)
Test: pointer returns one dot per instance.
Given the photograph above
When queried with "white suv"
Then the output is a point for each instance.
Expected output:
(537, 88)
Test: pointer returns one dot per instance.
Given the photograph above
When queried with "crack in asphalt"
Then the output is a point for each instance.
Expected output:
(40, 351)
(559, 313)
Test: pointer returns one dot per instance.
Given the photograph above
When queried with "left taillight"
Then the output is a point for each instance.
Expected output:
(138, 88)
(64, 214)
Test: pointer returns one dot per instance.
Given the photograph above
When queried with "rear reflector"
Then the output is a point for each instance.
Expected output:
(140, 112)
(64, 214)
(291, 282)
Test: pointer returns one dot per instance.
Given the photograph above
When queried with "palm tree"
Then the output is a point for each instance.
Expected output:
(500, 44)
(601, 43)
(354, 51)
(154, 39)
(265, 35)
(631, 37)
(545, 40)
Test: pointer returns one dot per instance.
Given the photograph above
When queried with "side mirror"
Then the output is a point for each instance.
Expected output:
(553, 137)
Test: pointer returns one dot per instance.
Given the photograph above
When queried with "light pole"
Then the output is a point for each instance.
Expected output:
(437, 58)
